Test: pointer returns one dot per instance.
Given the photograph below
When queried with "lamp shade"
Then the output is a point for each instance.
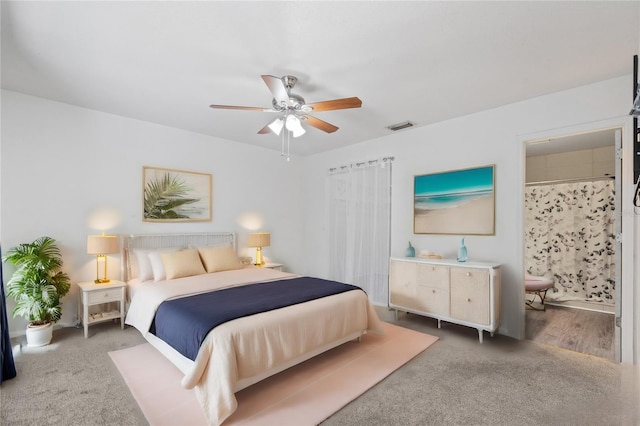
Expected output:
(102, 244)
(276, 125)
(294, 126)
(259, 239)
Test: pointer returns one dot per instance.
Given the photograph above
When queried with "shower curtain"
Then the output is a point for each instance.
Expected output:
(570, 237)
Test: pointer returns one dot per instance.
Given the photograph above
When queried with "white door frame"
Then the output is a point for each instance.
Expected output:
(629, 326)
(619, 249)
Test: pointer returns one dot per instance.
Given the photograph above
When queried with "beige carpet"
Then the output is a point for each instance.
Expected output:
(302, 395)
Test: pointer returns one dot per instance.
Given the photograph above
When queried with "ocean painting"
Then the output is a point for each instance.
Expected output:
(455, 202)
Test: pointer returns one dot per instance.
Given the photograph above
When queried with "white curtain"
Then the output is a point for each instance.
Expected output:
(359, 199)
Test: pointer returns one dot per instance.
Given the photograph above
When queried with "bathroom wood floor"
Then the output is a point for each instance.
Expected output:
(576, 329)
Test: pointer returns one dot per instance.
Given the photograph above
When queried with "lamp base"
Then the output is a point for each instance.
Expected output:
(99, 280)
(259, 259)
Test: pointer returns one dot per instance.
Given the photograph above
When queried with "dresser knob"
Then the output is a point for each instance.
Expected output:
(433, 291)
(468, 274)
(105, 295)
(468, 299)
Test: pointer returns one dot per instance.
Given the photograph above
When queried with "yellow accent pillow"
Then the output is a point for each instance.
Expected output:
(183, 263)
(218, 259)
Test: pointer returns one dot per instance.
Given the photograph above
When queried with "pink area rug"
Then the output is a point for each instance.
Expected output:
(305, 394)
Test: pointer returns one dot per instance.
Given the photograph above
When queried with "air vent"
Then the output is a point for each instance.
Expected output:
(400, 126)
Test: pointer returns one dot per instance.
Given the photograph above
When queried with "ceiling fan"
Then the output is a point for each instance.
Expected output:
(294, 109)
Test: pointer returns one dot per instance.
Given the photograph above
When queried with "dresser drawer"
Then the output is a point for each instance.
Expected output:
(433, 300)
(433, 276)
(104, 296)
(402, 284)
(470, 299)
(470, 276)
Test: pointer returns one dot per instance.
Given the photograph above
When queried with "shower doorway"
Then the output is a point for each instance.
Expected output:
(571, 223)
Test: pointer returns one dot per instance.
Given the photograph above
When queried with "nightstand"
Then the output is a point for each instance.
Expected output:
(276, 266)
(96, 294)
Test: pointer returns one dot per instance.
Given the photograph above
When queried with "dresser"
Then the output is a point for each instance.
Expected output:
(462, 293)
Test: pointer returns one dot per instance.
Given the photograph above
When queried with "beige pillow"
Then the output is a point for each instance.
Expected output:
(217, 259)
(183, 263)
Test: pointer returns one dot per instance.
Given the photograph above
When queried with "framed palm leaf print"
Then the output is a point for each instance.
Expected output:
(175, 195)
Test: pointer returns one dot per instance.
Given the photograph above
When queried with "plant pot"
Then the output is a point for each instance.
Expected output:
(39, 335)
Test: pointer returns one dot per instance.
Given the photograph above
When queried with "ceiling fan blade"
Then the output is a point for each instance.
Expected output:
(264, 130)
(336, 104)
(319, 124)
(277, 88)
(239, 107)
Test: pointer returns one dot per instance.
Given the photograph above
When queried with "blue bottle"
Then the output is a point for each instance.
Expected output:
(462, 252)
(410, 251)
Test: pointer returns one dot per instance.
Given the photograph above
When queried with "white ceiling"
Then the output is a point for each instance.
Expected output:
(166, 62)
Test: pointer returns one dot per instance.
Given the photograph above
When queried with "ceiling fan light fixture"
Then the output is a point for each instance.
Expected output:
(292, 121)
(276, 125)
(298, 132)
(294, 126)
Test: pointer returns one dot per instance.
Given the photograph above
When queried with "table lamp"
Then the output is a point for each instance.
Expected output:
(259, 240)
(101, 245)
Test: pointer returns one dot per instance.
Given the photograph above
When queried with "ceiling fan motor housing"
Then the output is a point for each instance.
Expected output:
(295, 103)
(289, 81)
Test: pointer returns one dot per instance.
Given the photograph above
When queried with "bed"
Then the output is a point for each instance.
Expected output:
(242, 351)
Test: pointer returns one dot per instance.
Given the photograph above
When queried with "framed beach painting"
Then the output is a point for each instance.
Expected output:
(175, 195)
(460, 202)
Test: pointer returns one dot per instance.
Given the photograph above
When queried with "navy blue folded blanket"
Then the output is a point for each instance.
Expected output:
(184, 323)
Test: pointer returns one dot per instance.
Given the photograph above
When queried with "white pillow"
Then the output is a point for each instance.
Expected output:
(145, 270)
(144, 265)
(157, 267)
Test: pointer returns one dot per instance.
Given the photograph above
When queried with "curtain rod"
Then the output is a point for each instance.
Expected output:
(584, 179)
(361, 163)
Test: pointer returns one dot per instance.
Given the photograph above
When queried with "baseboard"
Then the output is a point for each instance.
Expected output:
(56, 326)
(587, 306)
(13, 334)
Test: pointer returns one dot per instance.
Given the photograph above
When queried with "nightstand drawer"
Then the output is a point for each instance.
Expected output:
(104, 296)
(275, 266)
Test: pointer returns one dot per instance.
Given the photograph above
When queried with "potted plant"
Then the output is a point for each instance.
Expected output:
(37, 285)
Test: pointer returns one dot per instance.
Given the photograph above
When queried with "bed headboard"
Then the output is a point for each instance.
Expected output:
(156, 241)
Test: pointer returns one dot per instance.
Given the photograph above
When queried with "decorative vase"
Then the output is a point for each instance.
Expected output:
(39, 335)
(462, 252)
(410, 251)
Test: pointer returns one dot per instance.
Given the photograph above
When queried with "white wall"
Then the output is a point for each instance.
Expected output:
(490, 137)
(68, 172)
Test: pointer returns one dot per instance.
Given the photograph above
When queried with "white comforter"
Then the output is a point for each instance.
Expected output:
(250, 346)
